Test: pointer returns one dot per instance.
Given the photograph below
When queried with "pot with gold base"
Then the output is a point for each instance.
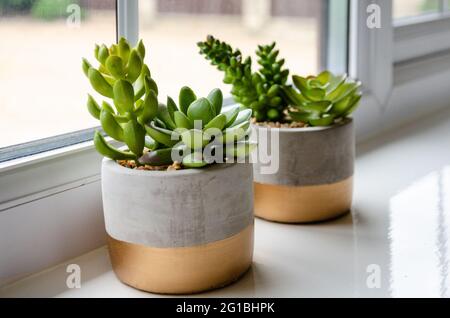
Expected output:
(313, 181)
(179, 232)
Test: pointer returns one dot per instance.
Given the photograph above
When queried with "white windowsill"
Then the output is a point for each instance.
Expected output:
(400, 222)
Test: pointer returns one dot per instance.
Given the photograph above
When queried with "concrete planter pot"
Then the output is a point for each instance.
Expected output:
(179, 232)
(314, 181)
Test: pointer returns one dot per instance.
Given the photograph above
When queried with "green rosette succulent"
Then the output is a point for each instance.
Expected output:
(197, 132)
(260, 91)
(322, 100)
(125, 80)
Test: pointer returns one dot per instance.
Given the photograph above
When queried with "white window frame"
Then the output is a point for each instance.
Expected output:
(50, 203)
(399, 87)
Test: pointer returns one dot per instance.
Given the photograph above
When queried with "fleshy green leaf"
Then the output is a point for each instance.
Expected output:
(182, 121)
(244, 115)
(186, 98)
(115, 67)
(123, 96)
(171, 107)
(163, 136)
(231, 115)
(164, 115)
(215, 97)
(217, 122)
(134, 66)
(99, 83)
(235, 133)
(159, 157)
(149, 108)
(327, 120)
(111, 126)
(109, 151)
(194, 160)
(200, 110)
(195, 139)
(93, 107)
(134, 137)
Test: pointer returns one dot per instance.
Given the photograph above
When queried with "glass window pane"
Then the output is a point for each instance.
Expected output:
(412, 8)
(43, 90)
(171, 29)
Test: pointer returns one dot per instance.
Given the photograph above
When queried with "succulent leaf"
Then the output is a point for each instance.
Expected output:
(134, 137)
(194, 160)
(93, 108)
(171, 107)
(195, 139)
(158, 157)
(124, 49)
(164, 115)
(110, 125)
(85, 66)
(161, 135)
(114, 65)
(149, 108)
(186, 98)
(182, 121)
(99, 83)
(200, 110)
(231, 116)
(123, 96)
(109, 151)
(217, 122)
(134, 66)
(215, 97)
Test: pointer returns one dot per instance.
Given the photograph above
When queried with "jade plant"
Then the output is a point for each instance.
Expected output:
(321, 100)
(197, 132)
(122, 77)
(315, 100)
(260, 91)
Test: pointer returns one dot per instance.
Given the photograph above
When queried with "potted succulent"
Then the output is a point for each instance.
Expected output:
(314, 133)
(178, 199)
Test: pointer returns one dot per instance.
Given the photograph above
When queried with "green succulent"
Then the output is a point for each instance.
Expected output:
(259, 91)
(124, 78)
(198, 131)
(323, 99)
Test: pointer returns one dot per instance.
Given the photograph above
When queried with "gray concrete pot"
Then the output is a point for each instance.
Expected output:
(314, 181)
(179, 232)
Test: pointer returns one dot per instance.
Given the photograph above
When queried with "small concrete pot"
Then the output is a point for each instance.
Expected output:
(314, 181)
(179, 232)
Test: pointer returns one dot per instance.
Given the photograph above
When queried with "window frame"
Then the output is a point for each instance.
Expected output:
(73, 170)
(395, 90)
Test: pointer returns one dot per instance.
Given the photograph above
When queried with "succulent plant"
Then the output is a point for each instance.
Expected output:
(123, 77)
(323, 99)
(260, 91)
(198, 132)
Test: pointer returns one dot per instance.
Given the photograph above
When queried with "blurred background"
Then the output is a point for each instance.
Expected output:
(43, 90)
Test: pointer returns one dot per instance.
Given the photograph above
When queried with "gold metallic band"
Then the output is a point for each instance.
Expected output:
(303, 204)
(184, 270)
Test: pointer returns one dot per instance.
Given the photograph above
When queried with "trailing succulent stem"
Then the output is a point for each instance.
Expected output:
(323, 99)
(198, 132)
(260, 91)
(124, 79)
